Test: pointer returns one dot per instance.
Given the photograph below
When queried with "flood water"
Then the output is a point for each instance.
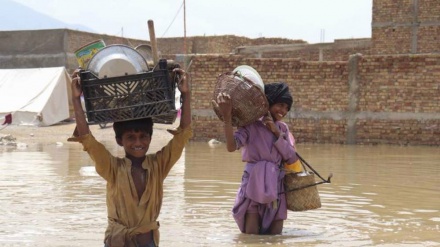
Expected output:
(379, 196)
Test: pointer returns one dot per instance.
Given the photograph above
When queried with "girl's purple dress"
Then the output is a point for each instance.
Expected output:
(262, 180)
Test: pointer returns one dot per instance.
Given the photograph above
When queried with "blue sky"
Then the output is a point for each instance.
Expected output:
(310, 20)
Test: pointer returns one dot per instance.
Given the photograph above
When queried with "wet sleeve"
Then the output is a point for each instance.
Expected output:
(292, 140)
(241, 137)
(169, 154)
(104, 161)
(284, 146)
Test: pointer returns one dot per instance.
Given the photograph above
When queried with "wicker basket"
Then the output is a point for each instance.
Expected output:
(301, 191)
(249, 102)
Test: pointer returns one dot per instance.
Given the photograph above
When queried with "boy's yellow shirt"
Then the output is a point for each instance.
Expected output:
(127, 214)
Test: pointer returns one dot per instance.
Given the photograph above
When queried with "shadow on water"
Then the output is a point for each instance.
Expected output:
(379, 196)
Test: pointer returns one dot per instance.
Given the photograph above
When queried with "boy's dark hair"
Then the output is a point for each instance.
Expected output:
(143, 124)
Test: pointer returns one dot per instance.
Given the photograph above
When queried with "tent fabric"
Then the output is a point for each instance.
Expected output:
(37, 96)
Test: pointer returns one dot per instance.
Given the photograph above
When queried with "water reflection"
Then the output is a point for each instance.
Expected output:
(379, 196)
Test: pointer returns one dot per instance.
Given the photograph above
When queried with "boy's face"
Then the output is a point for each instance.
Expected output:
(278, 111)
(135, 144)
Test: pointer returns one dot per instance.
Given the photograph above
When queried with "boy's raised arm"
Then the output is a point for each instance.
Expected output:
(82, 127)
(185, 90)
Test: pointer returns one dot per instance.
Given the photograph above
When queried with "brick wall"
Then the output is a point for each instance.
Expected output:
(405, 26)
(363, 100)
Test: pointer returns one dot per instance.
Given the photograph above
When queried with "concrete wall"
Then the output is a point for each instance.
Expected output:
(363, 100)
(49, 48)
(264, 47)
(32, 49)
(223, 44)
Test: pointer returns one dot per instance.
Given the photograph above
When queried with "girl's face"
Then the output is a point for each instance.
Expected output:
(279, 111)
(135, 144)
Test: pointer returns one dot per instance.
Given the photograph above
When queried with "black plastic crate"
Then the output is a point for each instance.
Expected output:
(149, 94)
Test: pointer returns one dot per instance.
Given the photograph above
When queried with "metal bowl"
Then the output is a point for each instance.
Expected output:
(147, 52)
(117, 60)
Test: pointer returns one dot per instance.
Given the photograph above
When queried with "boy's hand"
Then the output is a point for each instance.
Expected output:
(184, 88)
(82, 127)
(182, 84)
(76, 84)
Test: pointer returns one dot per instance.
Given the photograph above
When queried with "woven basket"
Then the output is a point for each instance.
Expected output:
(299, 198)
(249, 102)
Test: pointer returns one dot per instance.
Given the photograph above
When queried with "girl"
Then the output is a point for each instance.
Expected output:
(260, 205)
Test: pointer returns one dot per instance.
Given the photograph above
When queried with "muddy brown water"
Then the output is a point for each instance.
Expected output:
(379, 195)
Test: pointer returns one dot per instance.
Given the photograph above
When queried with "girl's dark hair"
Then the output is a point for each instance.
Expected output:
(143, 124)
(278, 92)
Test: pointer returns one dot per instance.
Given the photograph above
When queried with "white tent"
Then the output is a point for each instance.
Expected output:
(38, 97)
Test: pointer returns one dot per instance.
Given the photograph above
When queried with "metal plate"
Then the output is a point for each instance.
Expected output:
(117, 60)
(146, 52)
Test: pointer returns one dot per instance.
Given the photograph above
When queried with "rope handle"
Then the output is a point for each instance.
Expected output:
(305, 165)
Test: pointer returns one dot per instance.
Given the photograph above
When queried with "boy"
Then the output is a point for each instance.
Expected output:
(135, 182)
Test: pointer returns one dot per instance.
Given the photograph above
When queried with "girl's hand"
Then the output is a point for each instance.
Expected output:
(76, 84)
(270, 124)
(224, 105)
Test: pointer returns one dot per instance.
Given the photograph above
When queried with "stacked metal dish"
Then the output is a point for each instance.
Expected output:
(117, 60)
